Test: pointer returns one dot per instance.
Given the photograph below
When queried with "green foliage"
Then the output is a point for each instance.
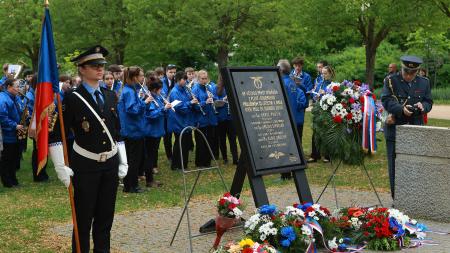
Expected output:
(68, 67)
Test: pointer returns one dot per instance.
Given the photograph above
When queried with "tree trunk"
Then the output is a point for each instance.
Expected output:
(222, 56)
(370, 64)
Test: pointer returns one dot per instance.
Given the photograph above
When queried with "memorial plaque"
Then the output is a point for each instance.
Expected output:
(266, 129)
(266, 121)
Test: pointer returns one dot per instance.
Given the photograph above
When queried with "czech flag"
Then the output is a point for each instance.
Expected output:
(47, 85)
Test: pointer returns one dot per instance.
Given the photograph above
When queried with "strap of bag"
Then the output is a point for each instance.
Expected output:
(98, 118)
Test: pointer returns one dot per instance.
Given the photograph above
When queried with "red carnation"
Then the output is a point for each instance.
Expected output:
(344, 218)
(344, 104)
(335, 88)
(374, 97)
(247, 250)
(349, 116)
(227, 194)
(310, 209)
(351, 100)
(366, 233)
(337, 119)
(231, 206)
(222, 202)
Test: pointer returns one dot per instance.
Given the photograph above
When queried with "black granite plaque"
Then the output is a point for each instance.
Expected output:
(266, 120)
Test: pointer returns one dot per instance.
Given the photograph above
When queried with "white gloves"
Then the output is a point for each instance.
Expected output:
(123, 165)
(57, 155)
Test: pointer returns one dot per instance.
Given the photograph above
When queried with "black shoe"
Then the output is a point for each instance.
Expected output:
(134, 190)
(311, 160)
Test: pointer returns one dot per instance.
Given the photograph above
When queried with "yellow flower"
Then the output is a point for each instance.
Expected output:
(246, 242)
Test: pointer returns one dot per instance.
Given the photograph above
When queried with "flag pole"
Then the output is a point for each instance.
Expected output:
(66, 162)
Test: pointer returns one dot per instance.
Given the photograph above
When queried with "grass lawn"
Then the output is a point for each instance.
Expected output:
(28, 211)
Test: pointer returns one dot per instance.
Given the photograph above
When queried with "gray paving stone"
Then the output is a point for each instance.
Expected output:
(151, 231)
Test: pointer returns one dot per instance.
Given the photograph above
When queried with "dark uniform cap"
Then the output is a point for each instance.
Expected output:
(92, 56)
(411, 62)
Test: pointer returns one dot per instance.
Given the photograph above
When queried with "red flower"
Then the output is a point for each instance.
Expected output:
(349, 116)
(374, 97)
(358, 213)
(222, 202)
(344, 218)
(344, 105)
(231, 206)
(351, 100)
(366, 233)
(337, 119)
(310, 209)
(335, 88)
(357, 82)
(295, 205)
(227, 194)
(247, 250)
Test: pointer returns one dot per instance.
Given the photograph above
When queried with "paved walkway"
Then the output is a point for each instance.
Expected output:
(151, 231)
(440, 112)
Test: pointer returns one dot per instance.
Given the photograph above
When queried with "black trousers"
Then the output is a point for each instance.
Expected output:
(151, 152)
(288, 175)
(185, 144)
(10, 163)
(202, 154)
(390, 148)
(315, 153)
(95, 198)
(43, 176)
(135, 156)
(224, 129)
(168, 141)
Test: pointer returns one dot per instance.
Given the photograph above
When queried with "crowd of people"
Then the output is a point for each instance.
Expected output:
(152, 105)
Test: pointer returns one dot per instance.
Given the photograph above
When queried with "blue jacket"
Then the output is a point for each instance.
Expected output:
(305, 79)
(297, 99)
(200, 92)
(166, 88)
(9, 116)
(224, 110)
(154, 118)
(30, 96)
(183, 115)
(131, 113)
(3, 80)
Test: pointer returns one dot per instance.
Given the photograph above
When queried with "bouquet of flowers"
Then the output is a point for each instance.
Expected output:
(291, 230)
(247, 246)
(345, 119)
(380, 228)
(229, 212)
(229, 206)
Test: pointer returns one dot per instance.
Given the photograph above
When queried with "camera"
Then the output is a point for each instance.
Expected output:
(414, 109)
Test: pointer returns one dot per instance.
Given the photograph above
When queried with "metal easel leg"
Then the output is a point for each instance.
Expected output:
(371, 183)
(329, 180)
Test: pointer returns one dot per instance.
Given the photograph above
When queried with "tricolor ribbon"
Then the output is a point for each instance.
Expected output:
(369, 140)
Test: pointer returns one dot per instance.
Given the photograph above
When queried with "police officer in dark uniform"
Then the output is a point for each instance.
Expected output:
(406, 97)
(98, 159)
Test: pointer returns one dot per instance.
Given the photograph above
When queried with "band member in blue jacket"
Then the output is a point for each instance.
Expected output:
(181, 118)
(118, 77)
(155, 113)
(10, 114)
(300, 77)
(131, 114)
(168, 83)
(225, 125)
(206, 118)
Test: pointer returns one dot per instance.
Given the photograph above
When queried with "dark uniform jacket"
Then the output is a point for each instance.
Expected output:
(419, 91)
(89, 133)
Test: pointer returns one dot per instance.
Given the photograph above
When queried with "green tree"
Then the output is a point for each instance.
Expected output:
(372, 20)
(21, 22)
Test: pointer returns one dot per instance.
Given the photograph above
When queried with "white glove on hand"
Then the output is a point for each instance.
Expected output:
(123, 165)
(57, 155)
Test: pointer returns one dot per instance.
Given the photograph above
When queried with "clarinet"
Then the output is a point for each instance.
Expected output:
(193, 96)
(148, 93)
(210, 95)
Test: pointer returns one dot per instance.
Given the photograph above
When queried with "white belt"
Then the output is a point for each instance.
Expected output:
(102, 157)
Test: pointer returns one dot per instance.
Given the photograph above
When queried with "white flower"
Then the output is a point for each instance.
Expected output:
(332, 244)
(237, 212)
(378, 126)
(324, 107)
(252, 221)
(306, 230)
(341, 240)
(290, 210)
